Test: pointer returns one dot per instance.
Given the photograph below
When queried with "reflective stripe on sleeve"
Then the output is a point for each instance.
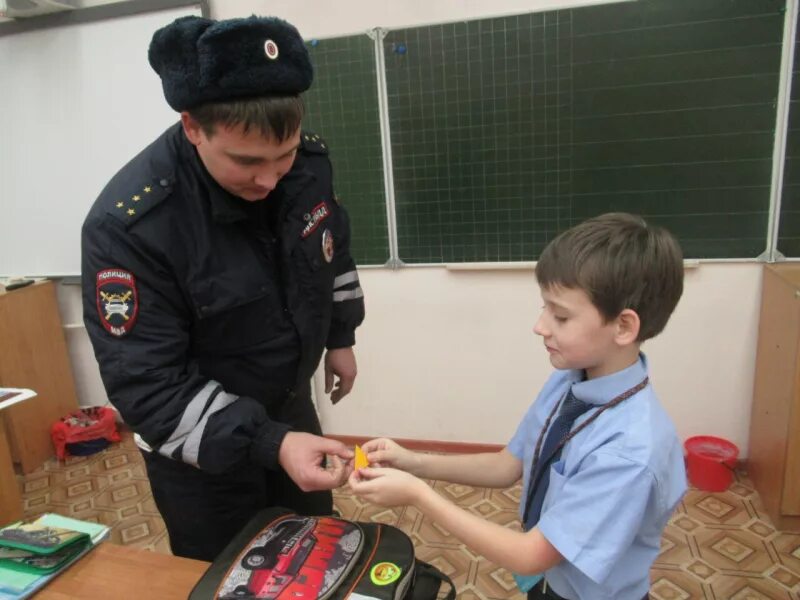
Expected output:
(189, 419)
(348, 295)
(345, 278)
(191, 449)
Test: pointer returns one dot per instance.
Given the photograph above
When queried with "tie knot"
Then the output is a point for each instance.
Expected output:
(572, 408)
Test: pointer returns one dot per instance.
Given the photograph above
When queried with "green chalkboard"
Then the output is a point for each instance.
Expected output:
(789, 231)
(505, 131)
(342, 107)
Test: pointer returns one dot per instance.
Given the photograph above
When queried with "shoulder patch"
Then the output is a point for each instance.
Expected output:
(129, 207)
(117, 300)
(311, 142)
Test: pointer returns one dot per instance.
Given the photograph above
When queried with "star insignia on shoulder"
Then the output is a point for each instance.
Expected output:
(131, 212)
(120, 204)
(147, 189)
(312, 142)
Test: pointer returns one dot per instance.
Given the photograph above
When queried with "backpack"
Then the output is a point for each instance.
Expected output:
(280, 555)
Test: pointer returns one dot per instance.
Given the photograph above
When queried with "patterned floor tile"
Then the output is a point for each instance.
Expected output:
(717, 546)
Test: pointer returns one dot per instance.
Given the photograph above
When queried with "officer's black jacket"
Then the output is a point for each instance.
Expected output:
(226, 306)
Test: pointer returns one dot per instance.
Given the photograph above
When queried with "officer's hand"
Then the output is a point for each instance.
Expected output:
(302, 455)
(342, 363)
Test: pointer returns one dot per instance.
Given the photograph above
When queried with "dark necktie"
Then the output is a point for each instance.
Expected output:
(570, 410)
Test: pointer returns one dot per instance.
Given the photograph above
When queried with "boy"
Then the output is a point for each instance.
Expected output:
(602, 465)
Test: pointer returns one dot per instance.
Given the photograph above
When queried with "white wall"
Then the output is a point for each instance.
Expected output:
(450, 355)
(316, 19)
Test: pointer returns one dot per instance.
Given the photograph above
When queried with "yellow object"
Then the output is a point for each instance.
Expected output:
(361, 458)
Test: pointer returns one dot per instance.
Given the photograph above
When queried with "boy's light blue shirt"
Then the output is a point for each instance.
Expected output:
(613, 489)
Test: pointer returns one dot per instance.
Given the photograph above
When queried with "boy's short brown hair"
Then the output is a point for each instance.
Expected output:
(275, 117)
(620, 262)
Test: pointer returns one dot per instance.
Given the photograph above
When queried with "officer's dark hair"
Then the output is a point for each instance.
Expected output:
(275, 117)
(620, 262)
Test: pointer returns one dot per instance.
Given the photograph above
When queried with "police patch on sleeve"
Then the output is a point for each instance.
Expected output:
(117, 300)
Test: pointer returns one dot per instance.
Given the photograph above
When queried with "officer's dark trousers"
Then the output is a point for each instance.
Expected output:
(537, 593)
(203, 512)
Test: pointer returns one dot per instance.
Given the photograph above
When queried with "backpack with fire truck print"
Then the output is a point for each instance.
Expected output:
(281, 556)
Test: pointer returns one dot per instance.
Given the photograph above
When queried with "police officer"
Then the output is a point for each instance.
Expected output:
(216, 271)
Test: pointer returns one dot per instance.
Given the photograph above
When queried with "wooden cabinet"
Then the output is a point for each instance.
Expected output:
(774, 454)
(33, 354)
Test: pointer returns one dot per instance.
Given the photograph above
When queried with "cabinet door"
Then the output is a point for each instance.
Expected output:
(34, 355)
(790, 502)
(775, 387)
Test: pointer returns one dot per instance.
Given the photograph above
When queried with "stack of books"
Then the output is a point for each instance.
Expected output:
(32, 553)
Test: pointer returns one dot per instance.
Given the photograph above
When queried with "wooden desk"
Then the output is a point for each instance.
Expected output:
(119, 572)
(33, 354)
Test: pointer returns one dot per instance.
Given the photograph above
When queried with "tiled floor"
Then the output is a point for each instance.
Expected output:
(717, 546)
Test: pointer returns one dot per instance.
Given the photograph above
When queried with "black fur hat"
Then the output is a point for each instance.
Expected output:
(201, 60)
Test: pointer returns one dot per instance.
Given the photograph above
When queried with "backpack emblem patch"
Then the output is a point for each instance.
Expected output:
(385, 573)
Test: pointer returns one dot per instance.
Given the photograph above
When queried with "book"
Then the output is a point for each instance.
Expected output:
(39, 538)
(19, 583)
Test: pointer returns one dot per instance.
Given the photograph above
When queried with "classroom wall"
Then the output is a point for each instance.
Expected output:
(446, 355)
(450, 355)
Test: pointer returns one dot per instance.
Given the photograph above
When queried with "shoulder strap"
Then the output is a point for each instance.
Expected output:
(137, 200)
(428, 582)
(311, 142)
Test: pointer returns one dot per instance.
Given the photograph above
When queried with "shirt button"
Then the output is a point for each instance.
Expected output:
(163, 183)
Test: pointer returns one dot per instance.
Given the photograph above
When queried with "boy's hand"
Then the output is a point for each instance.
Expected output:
(387, 487)
(386, 453)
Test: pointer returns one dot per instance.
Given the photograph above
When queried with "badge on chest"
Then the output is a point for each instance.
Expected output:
(313, 219)
(327, 245)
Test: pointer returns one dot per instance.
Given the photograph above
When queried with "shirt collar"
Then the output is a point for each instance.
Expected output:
(604, 389)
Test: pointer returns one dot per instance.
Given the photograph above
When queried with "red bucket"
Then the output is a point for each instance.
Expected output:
(710, 462)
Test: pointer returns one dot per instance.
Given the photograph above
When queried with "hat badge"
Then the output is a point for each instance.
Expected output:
(271, 49)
